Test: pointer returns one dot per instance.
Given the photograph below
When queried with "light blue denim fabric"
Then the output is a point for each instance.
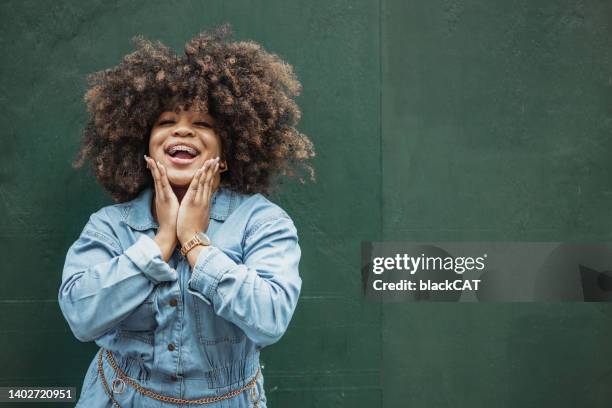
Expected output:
(117, 291)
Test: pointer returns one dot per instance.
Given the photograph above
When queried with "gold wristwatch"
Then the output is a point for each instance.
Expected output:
(199, 238)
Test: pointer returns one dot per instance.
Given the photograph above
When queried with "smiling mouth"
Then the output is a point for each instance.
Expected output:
(182, 154)
(181, 158)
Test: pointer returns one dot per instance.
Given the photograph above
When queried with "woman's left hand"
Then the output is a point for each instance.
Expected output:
(194, 212)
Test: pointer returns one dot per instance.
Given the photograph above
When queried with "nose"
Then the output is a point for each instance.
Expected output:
(182, 131)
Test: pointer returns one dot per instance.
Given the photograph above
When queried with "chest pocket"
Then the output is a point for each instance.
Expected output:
(143, 317)
(212, 330)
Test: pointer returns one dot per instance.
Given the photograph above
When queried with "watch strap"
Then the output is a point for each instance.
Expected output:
(192, 243)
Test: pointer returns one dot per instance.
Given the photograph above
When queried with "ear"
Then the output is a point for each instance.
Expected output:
(223, 166)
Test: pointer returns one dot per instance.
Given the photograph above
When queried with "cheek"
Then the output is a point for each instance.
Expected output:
(216, 145)
(212, 144)
(155, 144)
(217, 149)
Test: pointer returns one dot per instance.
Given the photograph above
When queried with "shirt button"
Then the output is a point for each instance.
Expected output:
(171, 347)
(173, 377)
(173, 302)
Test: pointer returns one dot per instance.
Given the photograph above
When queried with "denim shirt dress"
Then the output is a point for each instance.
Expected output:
(180, 332)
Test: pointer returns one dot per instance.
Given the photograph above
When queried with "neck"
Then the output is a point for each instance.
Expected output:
(179, 192)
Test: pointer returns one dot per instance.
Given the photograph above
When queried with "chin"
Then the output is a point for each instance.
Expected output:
(182, 180)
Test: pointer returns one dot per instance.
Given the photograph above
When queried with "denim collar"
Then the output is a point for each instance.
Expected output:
(138, 213)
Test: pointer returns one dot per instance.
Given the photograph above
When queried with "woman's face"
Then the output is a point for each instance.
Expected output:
(182, 142)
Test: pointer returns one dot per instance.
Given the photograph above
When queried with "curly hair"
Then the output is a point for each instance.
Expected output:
(247, 90)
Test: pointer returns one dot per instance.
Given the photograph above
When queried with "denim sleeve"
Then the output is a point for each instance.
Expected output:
(260, 295)
(102, 285)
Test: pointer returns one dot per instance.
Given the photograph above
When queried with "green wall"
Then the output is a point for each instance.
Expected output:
(497, 125)
(433, 120)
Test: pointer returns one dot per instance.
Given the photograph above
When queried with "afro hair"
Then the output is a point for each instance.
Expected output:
(248, 91)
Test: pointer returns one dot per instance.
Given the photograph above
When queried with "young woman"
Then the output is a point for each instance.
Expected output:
(193, 271)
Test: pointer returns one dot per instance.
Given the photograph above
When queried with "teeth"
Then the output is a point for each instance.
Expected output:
(183, 148)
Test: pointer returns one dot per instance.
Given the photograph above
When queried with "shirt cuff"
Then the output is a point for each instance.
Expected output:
(211, 265)
(146, 255)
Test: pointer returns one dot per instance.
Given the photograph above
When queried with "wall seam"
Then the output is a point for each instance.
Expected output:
(381, 190)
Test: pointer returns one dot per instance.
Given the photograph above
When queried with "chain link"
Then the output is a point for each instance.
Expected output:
(164, 398)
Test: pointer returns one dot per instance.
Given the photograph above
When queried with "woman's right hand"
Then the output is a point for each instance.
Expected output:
(166, 209)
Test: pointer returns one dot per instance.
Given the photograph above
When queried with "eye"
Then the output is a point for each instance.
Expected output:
(205, 124)
(165, 122)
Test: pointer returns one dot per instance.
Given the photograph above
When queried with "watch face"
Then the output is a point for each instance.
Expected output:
(204, 238)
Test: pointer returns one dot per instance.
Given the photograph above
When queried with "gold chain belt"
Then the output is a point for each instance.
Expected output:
(148, 393)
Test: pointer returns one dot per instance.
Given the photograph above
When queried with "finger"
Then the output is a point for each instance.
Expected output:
(209, 164)
(198, 187)
(202, 181)
(212, 180)
(156, 177)
(213, 173)
(164, 180)
(206, 182)
(193, 185)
